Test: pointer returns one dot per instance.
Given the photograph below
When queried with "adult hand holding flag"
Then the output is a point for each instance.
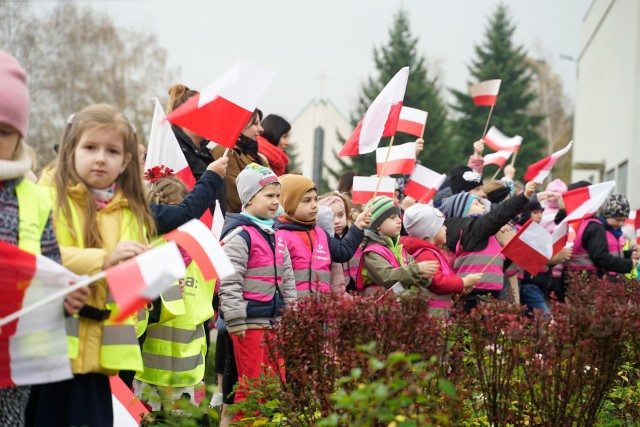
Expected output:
(380, 120)
(222, 109)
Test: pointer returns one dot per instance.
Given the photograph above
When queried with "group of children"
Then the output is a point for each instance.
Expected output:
(93, 210)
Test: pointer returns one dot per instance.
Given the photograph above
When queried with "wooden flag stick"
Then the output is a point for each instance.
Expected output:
(486, 125)
(423, 128)
(383, 165)
(226, 151)
(496, 174)
(513, 159)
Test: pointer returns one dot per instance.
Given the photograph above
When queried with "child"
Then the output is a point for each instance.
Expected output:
(427, 234)
(599, 241)
(384, 261)
(175, 347)
(341, 207)
(471, 236)
(312, 249)
(101, 218)
(254, 297)
(25, 209)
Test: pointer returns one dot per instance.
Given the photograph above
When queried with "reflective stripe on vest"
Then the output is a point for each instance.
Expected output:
(34, 208)
(362, 281)
(264, 268)
(350, 269)
(474, 262)
(311, 270)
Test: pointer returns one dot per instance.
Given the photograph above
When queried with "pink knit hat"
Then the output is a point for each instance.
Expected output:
(14, 96)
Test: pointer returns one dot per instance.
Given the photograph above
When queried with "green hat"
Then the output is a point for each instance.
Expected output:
(382, 207)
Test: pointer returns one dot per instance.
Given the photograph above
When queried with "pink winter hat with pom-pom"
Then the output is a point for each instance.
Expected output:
(14, 95)
(558, 186)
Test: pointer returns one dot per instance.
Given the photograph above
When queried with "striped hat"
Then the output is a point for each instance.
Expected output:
(382, 207)
(458, 205)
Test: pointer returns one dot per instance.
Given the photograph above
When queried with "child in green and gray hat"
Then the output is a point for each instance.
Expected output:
(384, 262)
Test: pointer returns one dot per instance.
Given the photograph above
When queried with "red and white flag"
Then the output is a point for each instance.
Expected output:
(199, 242)
(401, 159)
(530, 248)
(218, 222)
(636, 222)
(485, 93)
(364, 187)
(222, 109)
(412, 121)
(380, 120)
(139, 280)
(423, 184)
(33, 348)
(580, 203)
(538, 171)
(498, 158)
(127, 408)
(500, 142)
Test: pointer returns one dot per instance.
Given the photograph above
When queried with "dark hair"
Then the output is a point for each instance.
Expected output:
(274, 127)
(256, 116)
(345, 183)
(178, 95)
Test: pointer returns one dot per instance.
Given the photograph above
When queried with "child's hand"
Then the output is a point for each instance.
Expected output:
(548, 195)
(530, 188)
(419, 146)
(219, 166)
(469, 282)
(363, 219)
(428, 268)
(77, 299)
(509, 172)
(478, 148)
(565, 253)
(123, 251)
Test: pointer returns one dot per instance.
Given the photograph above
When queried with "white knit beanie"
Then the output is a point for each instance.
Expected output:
(422, 221)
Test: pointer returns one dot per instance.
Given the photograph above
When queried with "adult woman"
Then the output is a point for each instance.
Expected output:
(274, 141)
(243, 153)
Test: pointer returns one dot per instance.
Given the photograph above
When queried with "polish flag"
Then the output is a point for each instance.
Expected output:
(139, 280)
(423, 184)
(580, 203)
(364, 187)
(538, 171)
(199, 242)
(222, 109)
(485, 93)
(636, 222)
(498, 158)
(33, 348)
(164, 150)
(412, 121)
(218, 222)
(530, 248)
(401, 159)
(500, 142)
(380, 120)
(127, 408)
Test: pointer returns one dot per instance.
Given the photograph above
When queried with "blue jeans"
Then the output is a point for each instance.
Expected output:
(532, 296)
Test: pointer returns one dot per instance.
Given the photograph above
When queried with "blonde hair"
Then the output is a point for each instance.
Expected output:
(100, 116)
(168, 190)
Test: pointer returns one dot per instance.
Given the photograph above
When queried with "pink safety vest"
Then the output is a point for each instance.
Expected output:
(312, 271)
(580, 259)
(384, 252)
(435, 300)
(264, 270)
(474, 262)
(350, 269)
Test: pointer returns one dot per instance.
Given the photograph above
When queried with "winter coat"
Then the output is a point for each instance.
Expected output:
(441, 284)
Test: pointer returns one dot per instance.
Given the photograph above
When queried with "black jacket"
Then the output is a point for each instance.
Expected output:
(594, 240)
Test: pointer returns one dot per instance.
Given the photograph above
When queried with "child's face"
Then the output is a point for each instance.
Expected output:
(441, 237)
(339, 218)
(307, 209)
(536, 215)
(9, 138)
(100, 157)
(476, 208)
(265, 203)
(616, 222)
(391, 226)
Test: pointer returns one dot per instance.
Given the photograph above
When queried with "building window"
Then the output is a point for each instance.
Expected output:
(610, 175)
(623, 170)
(318, 154)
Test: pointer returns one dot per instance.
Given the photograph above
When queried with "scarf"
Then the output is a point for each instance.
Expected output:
(16, 167)
(616, 232)
(104, 196)
(396, 248)
(249, 147)
(277, 158)
(259, 221)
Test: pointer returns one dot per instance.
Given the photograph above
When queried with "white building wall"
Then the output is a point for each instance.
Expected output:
(607, 117)
(324, 114)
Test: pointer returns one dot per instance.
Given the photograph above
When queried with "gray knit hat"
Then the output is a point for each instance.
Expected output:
(253, 179)
(324, 219)
(616, 206)
(422, 221)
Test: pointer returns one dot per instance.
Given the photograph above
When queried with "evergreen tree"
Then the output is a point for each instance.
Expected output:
(498, 58)
(422, 93)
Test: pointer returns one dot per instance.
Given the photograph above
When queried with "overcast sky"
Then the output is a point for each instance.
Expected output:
(302, 39)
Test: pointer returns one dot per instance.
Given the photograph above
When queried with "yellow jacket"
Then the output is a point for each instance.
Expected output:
(89, 261)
